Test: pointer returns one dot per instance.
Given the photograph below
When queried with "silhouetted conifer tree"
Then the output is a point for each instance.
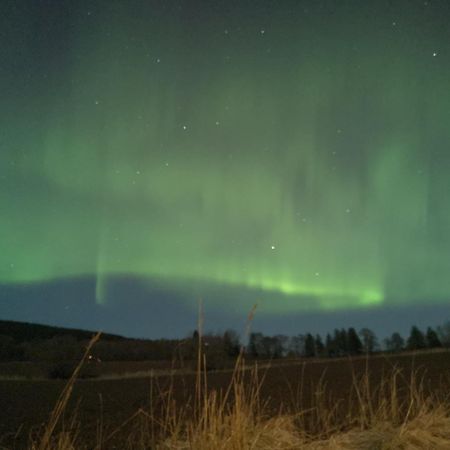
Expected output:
(416, 340)
(395, 343)
(355, 346)
(310, 347)
(340, 342)
(320, 348)
(432, 339)
(329, 346)
(369, 340)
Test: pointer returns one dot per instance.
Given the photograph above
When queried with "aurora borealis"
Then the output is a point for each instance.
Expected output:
(298, 150)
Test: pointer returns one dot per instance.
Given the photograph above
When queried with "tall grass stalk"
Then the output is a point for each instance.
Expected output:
(63, 440)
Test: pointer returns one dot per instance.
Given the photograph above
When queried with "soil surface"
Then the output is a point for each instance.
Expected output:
(106, 404)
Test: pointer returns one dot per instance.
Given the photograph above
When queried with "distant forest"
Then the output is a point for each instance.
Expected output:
(31, 342)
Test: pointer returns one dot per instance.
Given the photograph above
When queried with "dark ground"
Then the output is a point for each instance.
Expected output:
(25, 404)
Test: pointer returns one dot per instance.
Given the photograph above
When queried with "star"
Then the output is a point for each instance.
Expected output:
(434, 53)
(272, 247)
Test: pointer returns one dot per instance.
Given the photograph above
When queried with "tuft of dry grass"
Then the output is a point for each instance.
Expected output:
(427, 431)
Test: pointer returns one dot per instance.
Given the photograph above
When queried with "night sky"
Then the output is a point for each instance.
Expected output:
(294, 154)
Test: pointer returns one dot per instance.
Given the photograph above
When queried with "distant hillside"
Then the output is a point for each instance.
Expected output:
(26, 332)
(22, 341)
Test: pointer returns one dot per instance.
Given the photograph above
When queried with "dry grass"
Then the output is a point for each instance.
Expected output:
(64, 439)
(392, 413)
(377, 417)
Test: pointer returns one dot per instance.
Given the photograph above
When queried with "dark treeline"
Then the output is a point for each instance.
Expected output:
(345, 342)
(30, 342)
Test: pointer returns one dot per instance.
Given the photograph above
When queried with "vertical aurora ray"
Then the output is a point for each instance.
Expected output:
(297, 151)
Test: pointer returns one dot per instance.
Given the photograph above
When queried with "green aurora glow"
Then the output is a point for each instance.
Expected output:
(299, 152)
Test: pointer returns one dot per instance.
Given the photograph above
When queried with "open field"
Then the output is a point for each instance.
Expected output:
(288, 388)
(107, 369)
